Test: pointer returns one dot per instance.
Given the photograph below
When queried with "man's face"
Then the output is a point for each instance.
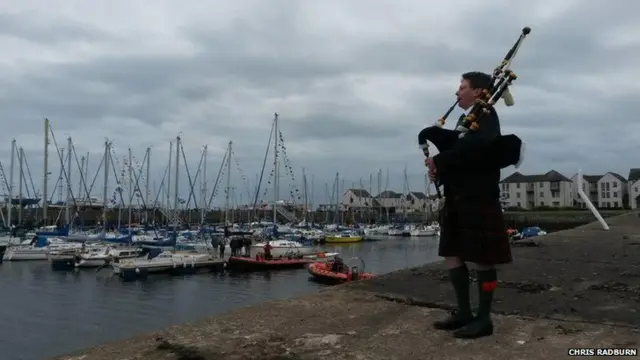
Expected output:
(467, 95)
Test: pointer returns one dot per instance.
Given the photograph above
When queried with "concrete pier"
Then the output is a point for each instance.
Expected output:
(578, 288)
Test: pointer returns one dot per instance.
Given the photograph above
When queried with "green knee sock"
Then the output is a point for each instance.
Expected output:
(487, 281)
(460, 279)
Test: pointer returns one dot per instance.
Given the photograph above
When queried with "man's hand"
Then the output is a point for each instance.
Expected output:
(428, 162)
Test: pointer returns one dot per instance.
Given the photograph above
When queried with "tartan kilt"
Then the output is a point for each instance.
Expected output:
(474, 231)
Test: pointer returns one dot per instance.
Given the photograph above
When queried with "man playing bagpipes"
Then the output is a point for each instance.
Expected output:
(468, 166)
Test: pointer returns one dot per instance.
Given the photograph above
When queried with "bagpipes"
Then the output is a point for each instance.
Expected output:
(505, 150)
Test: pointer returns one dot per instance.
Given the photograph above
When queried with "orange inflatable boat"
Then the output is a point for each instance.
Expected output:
(322, 271)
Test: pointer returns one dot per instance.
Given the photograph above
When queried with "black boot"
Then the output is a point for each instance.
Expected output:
(462, 315)
(482, 324)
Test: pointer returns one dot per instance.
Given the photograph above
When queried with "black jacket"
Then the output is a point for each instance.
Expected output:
(463, 173)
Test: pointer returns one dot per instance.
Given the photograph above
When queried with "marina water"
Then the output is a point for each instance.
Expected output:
(47, 313)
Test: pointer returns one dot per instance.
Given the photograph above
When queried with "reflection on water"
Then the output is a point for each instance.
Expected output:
(47, 313)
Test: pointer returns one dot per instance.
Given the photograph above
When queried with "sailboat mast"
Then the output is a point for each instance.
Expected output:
(67, 211)
(276, 169)
(148, 189)
(11, 168)
(130, 171)
(168, 186)
(177, 179)
(45, 181)
(203, 208)
(228, 191)
(105, 202)
(20, 180)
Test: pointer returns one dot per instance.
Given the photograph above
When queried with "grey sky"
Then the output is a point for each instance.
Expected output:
(353, 81)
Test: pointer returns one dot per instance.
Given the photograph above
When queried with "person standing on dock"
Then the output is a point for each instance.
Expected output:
(247, 246)
(267, 251)
(223, 245)
(473, 227)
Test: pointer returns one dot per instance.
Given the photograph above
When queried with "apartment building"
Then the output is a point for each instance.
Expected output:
(390, 199)
(590, 188)
(633, 188)
(612, 191)
(530, 191)
(416, 201)
(358, 198)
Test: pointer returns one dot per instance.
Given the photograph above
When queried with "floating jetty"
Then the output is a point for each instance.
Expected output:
(578, 288)
(167, 262)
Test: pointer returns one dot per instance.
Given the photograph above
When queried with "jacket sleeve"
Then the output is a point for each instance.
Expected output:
(472, 151)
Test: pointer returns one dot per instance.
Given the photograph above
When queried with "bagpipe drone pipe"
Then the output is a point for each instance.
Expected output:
(501, 152)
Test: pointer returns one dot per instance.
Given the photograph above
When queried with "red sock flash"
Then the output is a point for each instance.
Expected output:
(489, 286)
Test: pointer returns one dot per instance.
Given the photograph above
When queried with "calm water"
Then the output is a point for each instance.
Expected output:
(46, 313)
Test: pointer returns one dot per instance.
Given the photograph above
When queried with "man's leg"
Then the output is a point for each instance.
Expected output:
(459, 276)
(482, 324)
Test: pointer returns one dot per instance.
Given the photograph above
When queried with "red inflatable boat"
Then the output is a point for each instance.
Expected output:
(259, 263)
(322, 271)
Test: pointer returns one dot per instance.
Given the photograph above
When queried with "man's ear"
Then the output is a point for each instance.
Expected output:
(477, 92)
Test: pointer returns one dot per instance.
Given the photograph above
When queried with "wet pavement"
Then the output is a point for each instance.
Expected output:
(585, 274)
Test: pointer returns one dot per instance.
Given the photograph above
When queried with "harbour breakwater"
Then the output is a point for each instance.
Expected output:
(551, 220)
(546, 304)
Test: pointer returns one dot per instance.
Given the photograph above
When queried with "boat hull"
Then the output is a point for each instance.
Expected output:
(278, 251)
(343, 240)
(321, 271)
(13, 254)
(423, 233)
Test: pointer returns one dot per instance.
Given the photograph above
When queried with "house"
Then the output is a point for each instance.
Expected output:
(612, 191)
(633, 188)
(530, 191)
(415, 201)
(590, 188)
(389, 199)
(358, 198)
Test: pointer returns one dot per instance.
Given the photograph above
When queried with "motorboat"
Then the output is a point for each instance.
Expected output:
(98, 257)
(284, 247)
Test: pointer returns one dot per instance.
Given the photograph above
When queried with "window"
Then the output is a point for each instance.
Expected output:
(602, 186)
(541, 194)
(518, 195)
(615, 184)
(556, 203)
(615, 194)
(518, 186)
(635, 189)
(608, 195)
(541, 203)
(519, 204)
(541, 185)
(608, 186)
(615, 204)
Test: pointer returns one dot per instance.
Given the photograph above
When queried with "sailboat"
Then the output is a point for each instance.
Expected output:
(279, 246)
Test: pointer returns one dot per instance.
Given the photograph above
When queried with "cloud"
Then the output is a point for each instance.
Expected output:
(353, 82)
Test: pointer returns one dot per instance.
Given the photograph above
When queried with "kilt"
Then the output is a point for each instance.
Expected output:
(474, 231)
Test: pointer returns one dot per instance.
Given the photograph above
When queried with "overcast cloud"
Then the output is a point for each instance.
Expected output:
(353, 81)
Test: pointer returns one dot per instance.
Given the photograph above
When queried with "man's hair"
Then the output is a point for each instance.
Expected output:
(478, 80)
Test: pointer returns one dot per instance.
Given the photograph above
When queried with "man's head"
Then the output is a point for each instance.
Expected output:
(471, 87)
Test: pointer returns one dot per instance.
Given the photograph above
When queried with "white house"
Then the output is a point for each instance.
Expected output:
(530, 191)
(633, 188)
(389, 199)
(612, 191)
(415, 201)
(358, 198)
(590, 188)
